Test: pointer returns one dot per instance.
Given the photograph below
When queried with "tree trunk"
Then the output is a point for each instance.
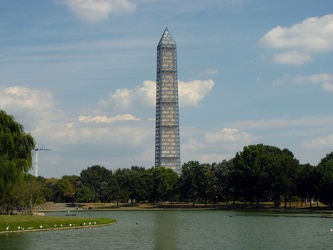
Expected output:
(30, 210)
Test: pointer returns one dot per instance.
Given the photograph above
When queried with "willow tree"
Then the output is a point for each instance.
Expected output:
(15, 154)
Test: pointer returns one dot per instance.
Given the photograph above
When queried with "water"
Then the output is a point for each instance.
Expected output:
(163, 230)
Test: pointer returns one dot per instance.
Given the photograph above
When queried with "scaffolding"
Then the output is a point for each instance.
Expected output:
(167, 144)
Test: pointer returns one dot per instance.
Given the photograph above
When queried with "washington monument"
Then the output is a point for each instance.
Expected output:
(167, 145)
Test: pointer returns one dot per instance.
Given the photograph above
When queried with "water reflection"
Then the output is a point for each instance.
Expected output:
(166, 230)
(179, 230)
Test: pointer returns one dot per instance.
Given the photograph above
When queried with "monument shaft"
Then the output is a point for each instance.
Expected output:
(167, 144)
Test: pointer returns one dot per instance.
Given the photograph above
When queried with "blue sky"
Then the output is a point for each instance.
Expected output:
(80, 76)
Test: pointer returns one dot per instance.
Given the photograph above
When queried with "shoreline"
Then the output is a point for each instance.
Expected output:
(69, 207)
(57, 228)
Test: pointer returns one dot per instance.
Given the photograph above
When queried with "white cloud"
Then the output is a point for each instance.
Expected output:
(107, 120)
(96, 10)
(31, 105)
(229, 135)
(327, 86)
(318, 78)
(36, 110)
(18, 96)
(124, 99)
(292, 58)
(213, 146)
(77, 140)
(193, 92)
(283, 123)
(313, 35)
(319, 142)
(324, 80)
(107, 136)
(209, 72)
(192, 146)
(190, 94)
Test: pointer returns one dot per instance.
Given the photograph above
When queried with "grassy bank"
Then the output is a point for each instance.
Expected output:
(21, 223)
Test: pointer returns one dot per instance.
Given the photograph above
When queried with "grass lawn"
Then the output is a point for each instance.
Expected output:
(11, 223)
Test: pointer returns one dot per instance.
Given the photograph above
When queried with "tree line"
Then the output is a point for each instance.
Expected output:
(257, 174)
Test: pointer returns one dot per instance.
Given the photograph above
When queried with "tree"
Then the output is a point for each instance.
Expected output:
(261, 170)
(65, 190)
(97, 178)
(27, 194)
(85, 194)
(306, 182)
(187, 181)
(197, 182)
(15, 153)
(49, 189)
(223, 171)
(325, 179)
(280, 172)
(162, 184)
(119, 184)
(247, 174)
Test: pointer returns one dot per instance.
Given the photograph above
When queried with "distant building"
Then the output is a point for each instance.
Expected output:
(167, 145)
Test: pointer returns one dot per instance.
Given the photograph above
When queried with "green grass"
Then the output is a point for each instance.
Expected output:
(30, 223)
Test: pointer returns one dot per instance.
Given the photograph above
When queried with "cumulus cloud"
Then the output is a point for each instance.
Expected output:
(37, 111)
(124, 99)
(96, 10)
(77, 140)
(214, 146)
(324, 80)
(192, 146)
(229, 135)
(17, 96)
(33, 106)
(313, 35)
(292, 58)
(284, 123)
(209, 72)
(107, 120)
(193, 92)
(190, 94)
(319, 142)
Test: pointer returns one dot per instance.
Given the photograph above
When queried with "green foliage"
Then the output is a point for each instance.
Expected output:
(198, 182)
(261, 170)
(85, 194)
(306, 181)
(97, 178)
(258, 173)
(223, 171)
(280, 170)
(15, 154)
(324, 173)
(162, 183)
(27, 194)
(49, 189)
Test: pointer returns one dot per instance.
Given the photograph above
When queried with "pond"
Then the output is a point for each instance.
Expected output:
(184, 229)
